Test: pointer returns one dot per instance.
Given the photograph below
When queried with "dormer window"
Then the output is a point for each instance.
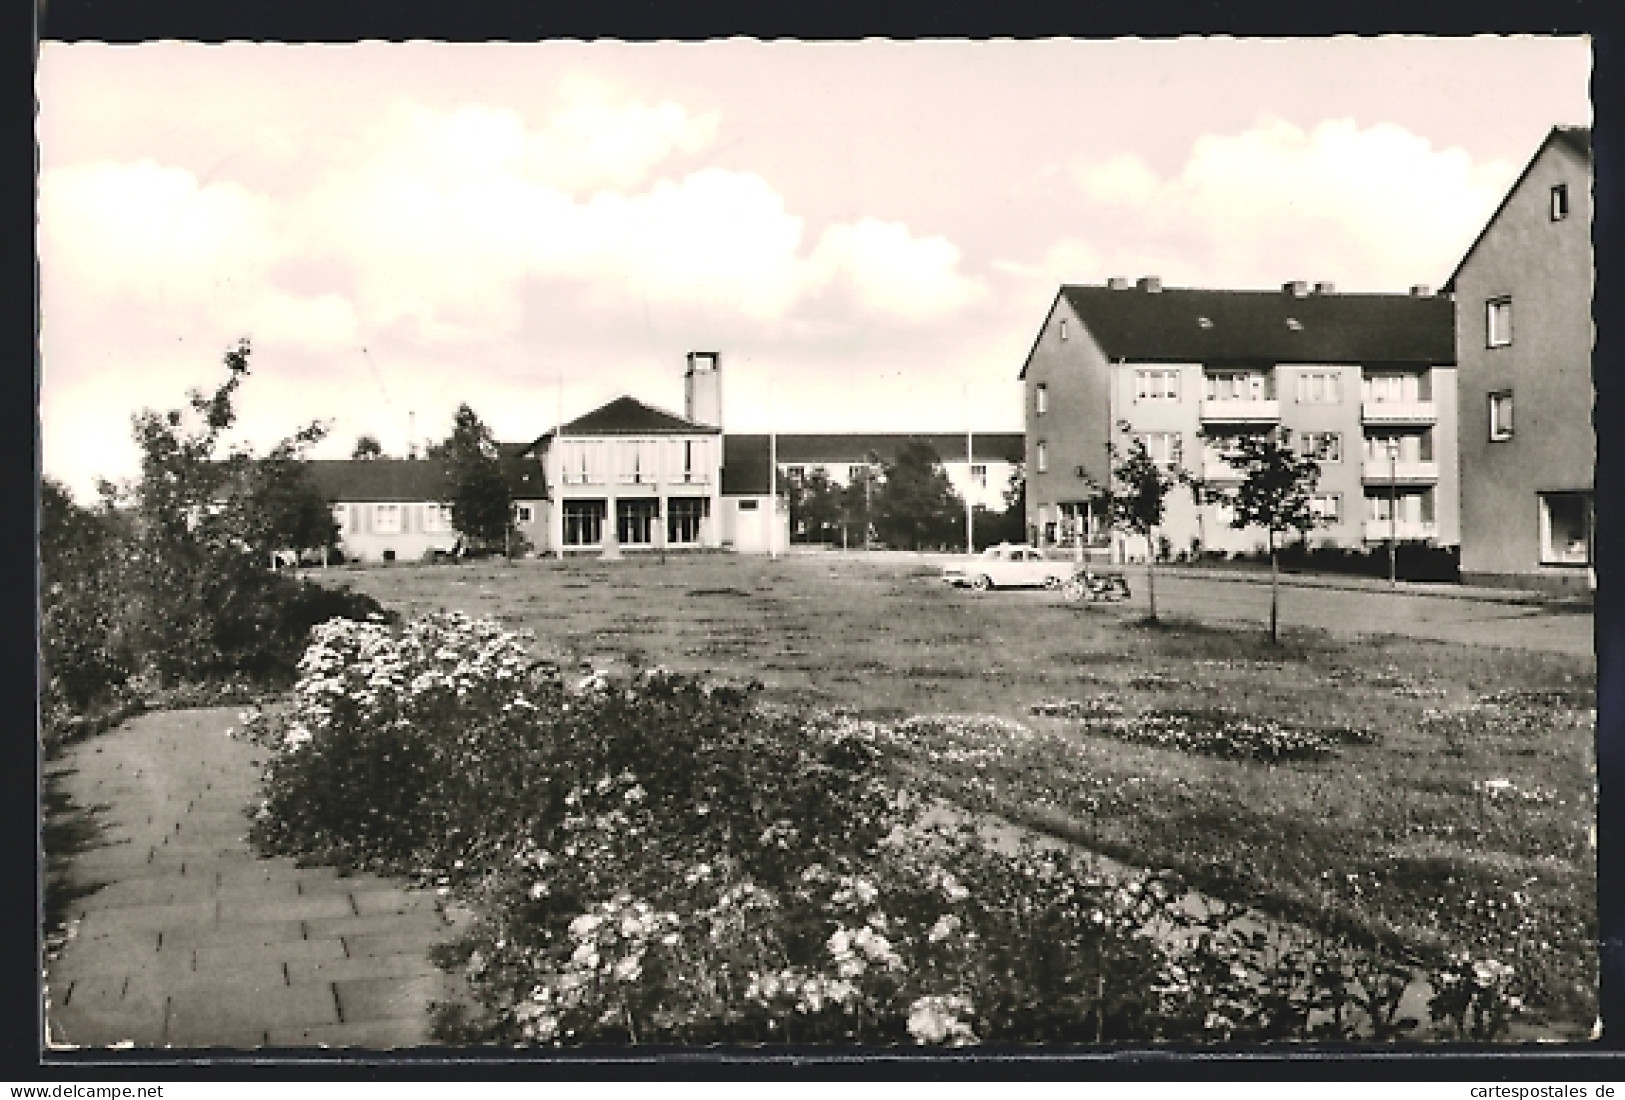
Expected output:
(1560, 201)
(1294, 324)
(1204, 322)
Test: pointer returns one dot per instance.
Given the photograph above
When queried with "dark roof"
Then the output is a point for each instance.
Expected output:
(1177, 325)
(405, 480)
(629, 416)
(1576, 139)
(379, 479)
(854, 447)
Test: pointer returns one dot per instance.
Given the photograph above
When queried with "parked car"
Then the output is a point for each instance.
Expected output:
(1008, 565)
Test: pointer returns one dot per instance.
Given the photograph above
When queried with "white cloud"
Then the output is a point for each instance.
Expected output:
(1374, 208)
(888, 270)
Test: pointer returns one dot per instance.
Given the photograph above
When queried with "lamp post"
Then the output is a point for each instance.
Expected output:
(1393, 512)
(970, 481)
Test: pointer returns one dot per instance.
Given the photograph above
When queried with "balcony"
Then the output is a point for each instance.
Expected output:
(1217, 469)
(1380, 471)
(1380, 530)
(1241, 412)
(1398, 412)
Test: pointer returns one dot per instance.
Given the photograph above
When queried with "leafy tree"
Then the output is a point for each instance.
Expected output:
(367, 447)
(86, 650)
(1136, 501)
(477, 482)
(1275, 494)
(201, 603)
(1010, 524)
(916, 504)
(815, 505)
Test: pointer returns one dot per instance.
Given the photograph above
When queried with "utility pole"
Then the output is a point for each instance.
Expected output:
(772, 470)
(556, 527)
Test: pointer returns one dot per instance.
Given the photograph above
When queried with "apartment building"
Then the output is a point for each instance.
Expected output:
(978, 465)
(1365, 382)
(1523, 349)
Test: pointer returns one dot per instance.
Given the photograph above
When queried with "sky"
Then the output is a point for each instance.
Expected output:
(870, 233)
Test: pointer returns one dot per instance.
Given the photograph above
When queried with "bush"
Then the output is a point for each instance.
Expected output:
(1413, 561)
(86, 651)
(664, 860)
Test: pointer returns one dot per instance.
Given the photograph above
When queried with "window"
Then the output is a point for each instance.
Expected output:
(386, 519)
(1321, 446)
(1566, 523)
(1238, 386)
(341, 514)
(1041, 398)
(795, 473)
(683, 515)
(1041, 457)
(634, 521)
(747, 506)
(583, 522)
(1063, 328)
(1560, 203)
(1320, 389)
(978, 476)
(1327, 507)
(1165, 448)
(1501, 415)
(1156, 385)
(1394, 389)
(436, 518)
(524, 513)
(1498, 322)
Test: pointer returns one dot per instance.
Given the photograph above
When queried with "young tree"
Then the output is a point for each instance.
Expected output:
(1275, 494)
(916, 504)
(1136, 500)
(367, 447)
(477, 482)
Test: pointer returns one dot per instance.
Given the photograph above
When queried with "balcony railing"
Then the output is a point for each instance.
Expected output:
(1217, 469)
(1398, 412)
(1380, 530)
(1241, 412)
(1382, 471)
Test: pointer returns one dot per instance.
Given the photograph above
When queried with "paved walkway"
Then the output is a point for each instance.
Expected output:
(194, 941)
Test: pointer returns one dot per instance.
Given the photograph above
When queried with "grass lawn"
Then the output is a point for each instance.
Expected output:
(1453, 808)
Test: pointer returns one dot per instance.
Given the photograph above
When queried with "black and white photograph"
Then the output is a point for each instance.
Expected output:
(924, 546)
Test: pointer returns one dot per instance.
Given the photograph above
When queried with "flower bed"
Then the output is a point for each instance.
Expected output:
(662, 860)
(1211, 732)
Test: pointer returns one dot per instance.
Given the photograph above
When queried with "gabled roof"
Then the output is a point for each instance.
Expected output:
(1177, 325)
(1576, 139)
(629, 416)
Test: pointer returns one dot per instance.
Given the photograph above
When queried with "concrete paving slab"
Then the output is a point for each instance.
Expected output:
(243, 934)
(393, 943)
(390, 1034)
(112, 918)
(426, 922)
(366, 999)
(207, 1017)
(368, 902)
(285, 951)
(96, 1013)
(361, 966)
(280, 909)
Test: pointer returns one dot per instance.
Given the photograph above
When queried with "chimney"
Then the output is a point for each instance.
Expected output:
(1421, 290)
(702, 388)
(1296, 288)
(1117, 283)
(1151, 284)
(411, 435)
(1325, 288)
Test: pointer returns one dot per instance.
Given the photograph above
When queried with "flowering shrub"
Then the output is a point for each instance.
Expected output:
(1208, 732)
(663, 860)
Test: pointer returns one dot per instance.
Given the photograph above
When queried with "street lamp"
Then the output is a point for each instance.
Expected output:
(1393, 512)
